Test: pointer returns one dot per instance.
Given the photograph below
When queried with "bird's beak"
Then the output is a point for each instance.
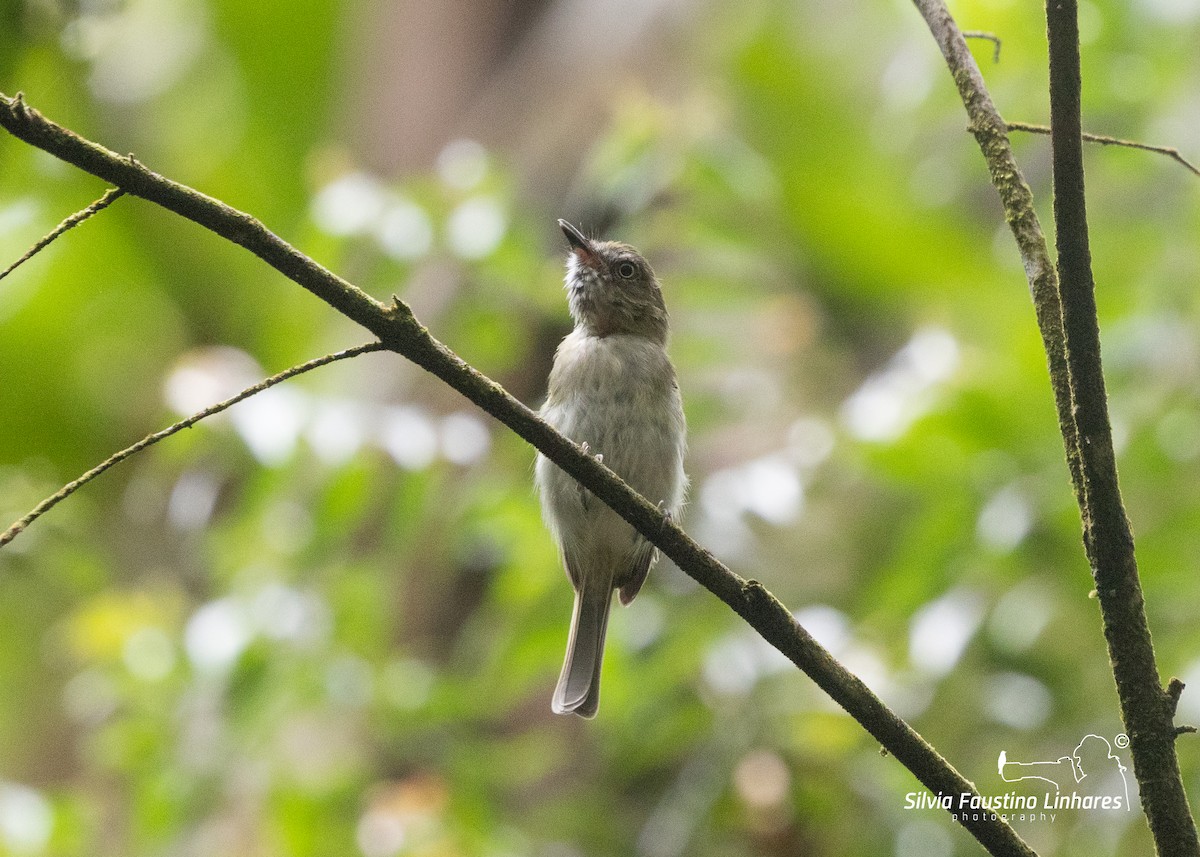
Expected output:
(580, 245)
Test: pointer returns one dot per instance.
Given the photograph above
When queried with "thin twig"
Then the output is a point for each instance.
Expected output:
(71, 487)
(1170, 152)
(400, 331)
(110, 196)
(991, 37)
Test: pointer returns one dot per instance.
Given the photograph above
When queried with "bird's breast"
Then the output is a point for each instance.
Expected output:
(618, 394)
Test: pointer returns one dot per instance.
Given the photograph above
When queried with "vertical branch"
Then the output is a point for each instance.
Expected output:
(1066, 317)
(1147, 709)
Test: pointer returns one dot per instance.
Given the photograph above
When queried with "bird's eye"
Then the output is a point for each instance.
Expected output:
(626, 270)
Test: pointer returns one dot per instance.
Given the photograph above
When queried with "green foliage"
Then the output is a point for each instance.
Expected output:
(330, 621)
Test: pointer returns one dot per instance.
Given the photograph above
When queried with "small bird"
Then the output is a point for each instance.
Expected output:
(613, 391)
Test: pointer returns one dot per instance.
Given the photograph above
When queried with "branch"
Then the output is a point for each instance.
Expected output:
(1170, 152)
(1147, 709)
(110, 196)
(399, 331)
(1174, 691)
(71, 487)
(1133, 666)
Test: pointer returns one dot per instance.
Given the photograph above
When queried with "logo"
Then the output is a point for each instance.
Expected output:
(1091, 777)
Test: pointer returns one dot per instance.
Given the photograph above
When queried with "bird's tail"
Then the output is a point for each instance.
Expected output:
(578, 688)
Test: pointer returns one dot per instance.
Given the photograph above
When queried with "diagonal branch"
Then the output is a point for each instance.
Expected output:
(110, 196)
(1148, 709)
(400, 331)
(71, 487)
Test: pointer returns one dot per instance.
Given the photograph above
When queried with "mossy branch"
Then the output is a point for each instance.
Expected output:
(989, 130)
(399, 331)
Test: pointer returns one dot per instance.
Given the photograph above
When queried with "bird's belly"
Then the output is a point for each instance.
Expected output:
(621, 400)
(639, 446)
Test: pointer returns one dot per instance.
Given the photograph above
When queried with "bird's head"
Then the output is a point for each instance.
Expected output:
(611, 289)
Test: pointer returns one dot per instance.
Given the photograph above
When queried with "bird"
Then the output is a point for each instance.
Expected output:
(613, 391)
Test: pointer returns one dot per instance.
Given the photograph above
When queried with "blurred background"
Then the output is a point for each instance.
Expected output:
(329, 622)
